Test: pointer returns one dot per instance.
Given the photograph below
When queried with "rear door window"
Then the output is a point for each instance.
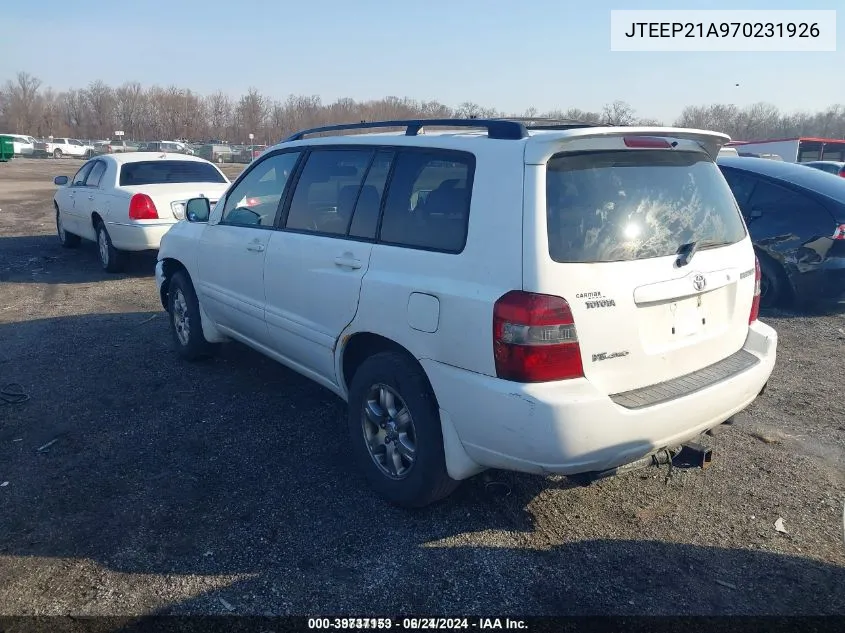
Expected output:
(788, 217)
(741, 186)
(607, 206)
(789, 206)
(428, 201)
(365, 220)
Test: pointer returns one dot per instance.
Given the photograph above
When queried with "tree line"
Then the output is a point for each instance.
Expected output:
(162, 113)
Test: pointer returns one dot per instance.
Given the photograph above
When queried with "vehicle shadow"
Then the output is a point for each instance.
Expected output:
(41, 259)
(137, 464)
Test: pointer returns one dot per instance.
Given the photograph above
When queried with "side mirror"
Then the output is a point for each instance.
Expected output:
(60, 180)
(197, 210)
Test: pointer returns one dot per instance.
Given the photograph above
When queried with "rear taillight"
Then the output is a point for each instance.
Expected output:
(755, 303)
(534, 338)
(653, 142)
(142, 207)
(839, 233)
(842, 173)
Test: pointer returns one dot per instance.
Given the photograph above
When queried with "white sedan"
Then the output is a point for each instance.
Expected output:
(127, 202)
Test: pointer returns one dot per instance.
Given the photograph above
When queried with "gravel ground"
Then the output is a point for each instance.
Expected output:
(227, 487)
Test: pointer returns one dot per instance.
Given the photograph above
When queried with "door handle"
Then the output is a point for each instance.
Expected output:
(347, 261)
(90, 197)
(255, 247)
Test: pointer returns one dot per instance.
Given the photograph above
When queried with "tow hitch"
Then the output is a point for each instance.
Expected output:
(690, 455)
(695, 455)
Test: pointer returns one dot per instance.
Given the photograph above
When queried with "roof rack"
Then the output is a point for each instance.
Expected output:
(542, 123)
(508, 129)
(503, 129)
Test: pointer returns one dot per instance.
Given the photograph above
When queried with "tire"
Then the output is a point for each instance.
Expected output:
(111, 259)
(416, 483)
(67, 240)
(185, 319)
(57, 153)
(774, 285)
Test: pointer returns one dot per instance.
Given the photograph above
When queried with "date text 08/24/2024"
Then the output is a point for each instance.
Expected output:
(417, 624)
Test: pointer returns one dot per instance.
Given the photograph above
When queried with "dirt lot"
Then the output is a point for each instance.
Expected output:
(177, 488)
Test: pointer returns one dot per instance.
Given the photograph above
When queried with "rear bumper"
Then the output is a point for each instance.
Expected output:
(833, 281)
(569, 427)
(823, 284)
(138, 237)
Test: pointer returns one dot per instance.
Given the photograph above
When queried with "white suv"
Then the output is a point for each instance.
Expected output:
(550, 299)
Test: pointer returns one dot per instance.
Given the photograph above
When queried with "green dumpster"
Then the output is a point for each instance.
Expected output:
(7, 150)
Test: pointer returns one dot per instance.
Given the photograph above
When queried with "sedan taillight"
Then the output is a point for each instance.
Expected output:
(142, 207)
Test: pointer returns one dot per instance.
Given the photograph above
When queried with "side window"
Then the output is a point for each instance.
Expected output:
(787, 206)
(741, 186)
(96, 174)
(81, 175)
(771, 198)
(428, 201)
(255, 199)
(327, 190)
(365, 219)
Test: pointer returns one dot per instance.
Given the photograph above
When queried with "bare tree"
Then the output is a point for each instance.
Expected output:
(74, 112)
(219, 109)
(175, 112)
(252, 112)
(100, 101)
(469, 110)
(618, 113)
(129, 104)
(51, 113)
(20, 102)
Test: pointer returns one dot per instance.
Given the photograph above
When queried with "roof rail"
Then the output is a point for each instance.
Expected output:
(543, 123)
(504, 129)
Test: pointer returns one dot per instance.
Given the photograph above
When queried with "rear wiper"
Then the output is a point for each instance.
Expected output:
(713, 244)
(685, 253)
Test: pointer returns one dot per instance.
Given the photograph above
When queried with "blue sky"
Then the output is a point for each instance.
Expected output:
(508, 55)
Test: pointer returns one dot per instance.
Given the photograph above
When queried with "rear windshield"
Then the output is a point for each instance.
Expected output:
(609, 206)
(167, 171)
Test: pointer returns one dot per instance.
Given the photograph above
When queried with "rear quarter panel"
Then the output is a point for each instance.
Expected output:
(463, 286)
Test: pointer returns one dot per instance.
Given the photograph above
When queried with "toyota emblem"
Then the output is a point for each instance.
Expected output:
(699, 282)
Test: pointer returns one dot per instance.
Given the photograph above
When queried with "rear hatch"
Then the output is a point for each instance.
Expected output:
(622, 216)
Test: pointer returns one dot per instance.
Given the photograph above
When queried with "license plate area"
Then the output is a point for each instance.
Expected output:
(687, 317)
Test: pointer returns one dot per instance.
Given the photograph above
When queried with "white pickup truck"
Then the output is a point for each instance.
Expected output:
(61, 147)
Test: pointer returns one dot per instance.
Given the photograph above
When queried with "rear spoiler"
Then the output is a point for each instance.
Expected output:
(541, 147)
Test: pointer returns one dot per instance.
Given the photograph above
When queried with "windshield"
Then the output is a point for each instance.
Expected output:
(168, 171)
(606, 206)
